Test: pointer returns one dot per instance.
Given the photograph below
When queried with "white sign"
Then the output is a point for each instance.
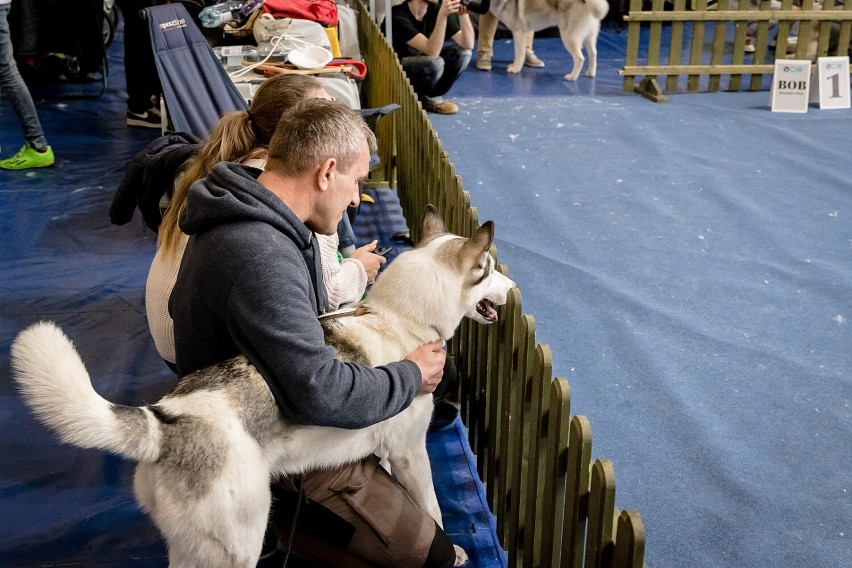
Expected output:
(790, 85)
(831, 84)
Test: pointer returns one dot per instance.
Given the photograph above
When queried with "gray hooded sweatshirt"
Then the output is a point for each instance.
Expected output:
(250, 283)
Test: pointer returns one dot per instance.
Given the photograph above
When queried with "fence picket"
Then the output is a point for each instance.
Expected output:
(599, 541)
(509, 318)
(676, 46)
(540, 383)
(577, 492)
(629, 541)
(522, 410)
(557, 471)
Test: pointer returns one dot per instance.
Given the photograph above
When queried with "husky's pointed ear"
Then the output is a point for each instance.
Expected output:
(479, 242)
(433, 224)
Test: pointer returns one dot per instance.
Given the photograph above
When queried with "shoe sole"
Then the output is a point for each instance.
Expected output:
(436, 111)
(145, 123)
(27, 167)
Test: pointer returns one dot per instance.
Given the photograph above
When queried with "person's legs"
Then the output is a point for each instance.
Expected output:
(15, 89)
(358, 515)
(35, 153)
(140, 69)
(423, 73)
(485, 42)
(456, 61)
(531, 59)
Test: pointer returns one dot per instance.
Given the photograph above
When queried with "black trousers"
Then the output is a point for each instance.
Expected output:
(140, 70)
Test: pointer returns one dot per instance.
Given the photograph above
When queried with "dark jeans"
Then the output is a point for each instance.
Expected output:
(433, 76)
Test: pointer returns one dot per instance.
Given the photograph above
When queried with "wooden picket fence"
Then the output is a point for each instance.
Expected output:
(553, 505)
(703, 64)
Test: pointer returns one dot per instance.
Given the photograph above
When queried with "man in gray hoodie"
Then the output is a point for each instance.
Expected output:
(250, 283)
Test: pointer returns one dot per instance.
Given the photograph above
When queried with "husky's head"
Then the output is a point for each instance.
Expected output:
(445, 278)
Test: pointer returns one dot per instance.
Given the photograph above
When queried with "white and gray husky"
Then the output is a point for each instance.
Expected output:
(208, 450)
(579, 22)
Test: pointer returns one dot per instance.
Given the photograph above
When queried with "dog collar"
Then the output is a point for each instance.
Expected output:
(356, 311)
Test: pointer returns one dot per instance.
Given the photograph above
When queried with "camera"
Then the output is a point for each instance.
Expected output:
(477, 6)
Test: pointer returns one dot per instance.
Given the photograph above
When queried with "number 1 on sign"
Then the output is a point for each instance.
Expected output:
(833, 81)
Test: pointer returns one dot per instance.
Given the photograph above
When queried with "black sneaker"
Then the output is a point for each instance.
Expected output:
(150, 118)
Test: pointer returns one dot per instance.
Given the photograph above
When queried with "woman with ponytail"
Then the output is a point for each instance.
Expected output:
(243, 136)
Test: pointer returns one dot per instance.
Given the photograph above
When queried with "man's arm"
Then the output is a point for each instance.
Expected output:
(432, 45)
(271, 318)
(465, 37)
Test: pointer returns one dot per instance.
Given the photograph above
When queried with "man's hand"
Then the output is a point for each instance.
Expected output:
(451, 7)
(372, 262)
(430, 358)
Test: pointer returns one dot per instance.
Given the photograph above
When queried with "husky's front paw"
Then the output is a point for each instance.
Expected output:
(515, 67)
(461, 556)
(571, 76)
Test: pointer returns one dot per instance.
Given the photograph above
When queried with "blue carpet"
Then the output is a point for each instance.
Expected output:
(690, 264)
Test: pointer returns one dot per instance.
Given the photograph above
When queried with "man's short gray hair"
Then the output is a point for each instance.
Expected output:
(315, 130)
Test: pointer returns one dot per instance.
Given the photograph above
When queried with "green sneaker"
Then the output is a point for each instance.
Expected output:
(28, 158)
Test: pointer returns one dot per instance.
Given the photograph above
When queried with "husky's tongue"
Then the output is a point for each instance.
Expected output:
(486, 309)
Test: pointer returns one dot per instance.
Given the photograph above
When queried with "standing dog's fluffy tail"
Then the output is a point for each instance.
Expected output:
(56, 386)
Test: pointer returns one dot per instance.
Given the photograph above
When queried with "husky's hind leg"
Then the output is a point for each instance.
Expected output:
(574, 47)
(220, 522)
(591, 44)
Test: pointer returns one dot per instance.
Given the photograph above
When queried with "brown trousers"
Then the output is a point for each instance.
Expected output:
(357, 516)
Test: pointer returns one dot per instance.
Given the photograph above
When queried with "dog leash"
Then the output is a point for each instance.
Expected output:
(295, 522)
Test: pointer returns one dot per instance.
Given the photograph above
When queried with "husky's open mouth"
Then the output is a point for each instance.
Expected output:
(485, 308)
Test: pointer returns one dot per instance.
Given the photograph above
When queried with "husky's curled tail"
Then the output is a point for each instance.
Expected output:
(56, 386)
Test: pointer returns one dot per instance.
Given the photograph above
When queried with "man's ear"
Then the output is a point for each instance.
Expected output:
(326, 173)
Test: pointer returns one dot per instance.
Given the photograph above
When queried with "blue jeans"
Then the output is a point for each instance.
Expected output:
(433, 76)
(13, 87)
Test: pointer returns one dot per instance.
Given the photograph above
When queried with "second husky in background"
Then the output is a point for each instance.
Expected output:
(579, 22)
